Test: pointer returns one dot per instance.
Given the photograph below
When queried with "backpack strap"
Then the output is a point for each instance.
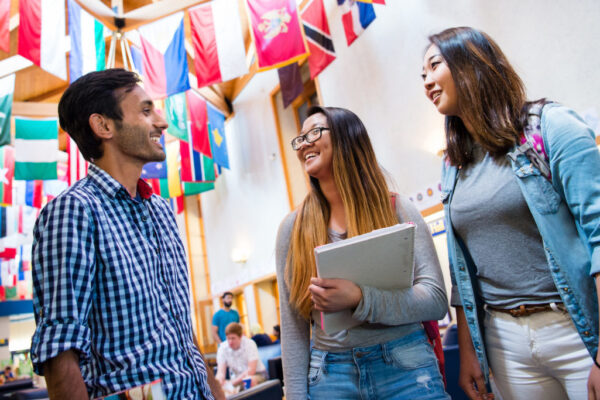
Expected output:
(532, 140)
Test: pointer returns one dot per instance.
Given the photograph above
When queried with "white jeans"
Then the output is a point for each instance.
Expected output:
(540, 356)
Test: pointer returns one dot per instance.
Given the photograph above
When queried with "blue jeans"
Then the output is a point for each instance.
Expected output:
(404, 368)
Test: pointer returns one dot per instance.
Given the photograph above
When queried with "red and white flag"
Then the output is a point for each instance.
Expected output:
(199, 123)
(356, 17)
(316, 29)
(77, 164)
(278, 37)
(5, 25)
(219, 53)
(42, 35)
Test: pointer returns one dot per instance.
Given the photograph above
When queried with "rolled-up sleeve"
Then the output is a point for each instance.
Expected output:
(63, 267)
(575, 162)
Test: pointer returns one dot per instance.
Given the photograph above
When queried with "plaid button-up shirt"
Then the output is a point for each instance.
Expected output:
(110, 281)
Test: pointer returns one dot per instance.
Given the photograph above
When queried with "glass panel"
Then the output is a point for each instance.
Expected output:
(302, 112)
(314, 99)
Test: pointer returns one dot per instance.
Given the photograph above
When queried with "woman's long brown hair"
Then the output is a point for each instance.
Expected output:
(490, 94)
(364, 192)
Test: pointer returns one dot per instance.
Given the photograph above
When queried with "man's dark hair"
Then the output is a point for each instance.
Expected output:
(227, 293)
(93, 93)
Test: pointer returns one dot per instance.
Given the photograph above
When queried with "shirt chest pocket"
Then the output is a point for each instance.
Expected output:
(538, 190)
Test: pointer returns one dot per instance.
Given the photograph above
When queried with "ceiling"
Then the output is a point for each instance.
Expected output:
(34, 85)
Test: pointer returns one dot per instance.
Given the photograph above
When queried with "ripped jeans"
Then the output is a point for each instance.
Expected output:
(404, 368)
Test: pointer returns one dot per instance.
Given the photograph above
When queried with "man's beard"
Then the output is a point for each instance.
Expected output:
(227, 303)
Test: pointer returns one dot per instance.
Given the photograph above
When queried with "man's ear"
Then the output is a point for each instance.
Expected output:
(102, 126)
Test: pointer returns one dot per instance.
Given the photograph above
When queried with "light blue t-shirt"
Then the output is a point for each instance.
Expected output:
(223, 318)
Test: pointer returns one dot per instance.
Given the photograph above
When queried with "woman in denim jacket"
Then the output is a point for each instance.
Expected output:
(523, 237)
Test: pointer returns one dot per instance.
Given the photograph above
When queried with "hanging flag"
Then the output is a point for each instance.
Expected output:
(54, 187)
(158, 169)
(8, 253)
(164, 57)
(3, 222)
(7, 88)
(5, 25)
(8, 221)
(277, 34)
(216, 123)
(28, 193)
(355, 18)
(176, 115)
(138, 59)
(373, 1)
(290, 82)
(87, 42)
(195, 166)
(219, 53)
(36, 148)
(77, 165)
(171, 187)
(7, 168)
(199, 123)
(177, 204)
(42, 35)
(318, 37)
(192, 188)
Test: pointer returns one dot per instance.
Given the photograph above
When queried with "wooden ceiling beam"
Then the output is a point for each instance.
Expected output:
(55, 92)
(151, 12)
(33, 109)
(101, 12)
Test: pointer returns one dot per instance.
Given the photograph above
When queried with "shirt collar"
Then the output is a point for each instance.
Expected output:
(111, 186)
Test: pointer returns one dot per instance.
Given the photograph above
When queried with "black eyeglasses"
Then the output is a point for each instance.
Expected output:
(309, 137)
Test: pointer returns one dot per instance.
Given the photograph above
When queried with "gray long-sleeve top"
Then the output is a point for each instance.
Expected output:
(387, 314)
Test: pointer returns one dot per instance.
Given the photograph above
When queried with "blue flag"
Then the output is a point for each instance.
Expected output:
(156, 170)
(216, 126)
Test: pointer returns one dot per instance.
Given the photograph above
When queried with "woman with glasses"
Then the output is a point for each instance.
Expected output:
(521, 193)
(388, 355)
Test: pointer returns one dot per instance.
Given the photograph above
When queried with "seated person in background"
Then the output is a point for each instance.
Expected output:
(260, 338)
(276, 335)
(240, 355)
(8, 374)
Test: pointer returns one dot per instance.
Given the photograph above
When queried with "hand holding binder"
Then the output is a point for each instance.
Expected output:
(331, 295)
(383, 258)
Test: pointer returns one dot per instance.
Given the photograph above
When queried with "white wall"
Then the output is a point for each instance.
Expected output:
(549, 42)
(249, 201)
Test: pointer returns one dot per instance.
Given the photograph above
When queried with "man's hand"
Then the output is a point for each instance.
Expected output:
(221, 379)
(331, 295)
(470, 377)
(63, 377)
(215, 387)
(215, 333)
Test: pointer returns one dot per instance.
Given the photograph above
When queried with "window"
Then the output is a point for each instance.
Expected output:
(289, 122)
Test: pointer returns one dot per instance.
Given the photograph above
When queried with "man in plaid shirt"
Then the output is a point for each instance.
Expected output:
(111, 294)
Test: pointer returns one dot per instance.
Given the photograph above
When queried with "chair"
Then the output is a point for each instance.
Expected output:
(452, 368)
(276, 369)
(9, 388)
(269, 390)
(31, 394)
(265, 353)
(450, 336)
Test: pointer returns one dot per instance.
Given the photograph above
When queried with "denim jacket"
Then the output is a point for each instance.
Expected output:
(567, 214)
